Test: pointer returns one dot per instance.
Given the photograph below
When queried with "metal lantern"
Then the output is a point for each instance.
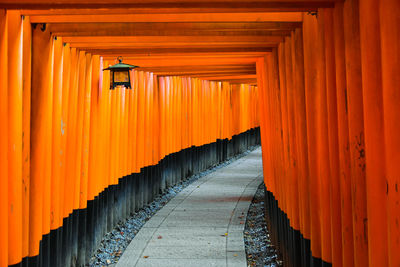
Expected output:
(120, 74)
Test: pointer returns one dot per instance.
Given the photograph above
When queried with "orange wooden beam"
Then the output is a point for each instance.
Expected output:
(235, 77)
(204, 74)
(188, 55)
(160, 51)
(199, 68)
(190, 62)
(179, 17)
(172, 32)
(103, 40)
(169, 28)
(243, 81)
(172, 6)
(146, 46)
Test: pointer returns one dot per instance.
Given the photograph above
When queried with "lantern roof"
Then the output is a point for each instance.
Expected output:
(121, 66)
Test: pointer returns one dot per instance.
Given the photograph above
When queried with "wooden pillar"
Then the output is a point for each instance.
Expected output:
(79, 128)
(140, 121)
(134, 121)
(332, 119)
(292, 174)
(93, 186)
(4, 138)
(263, 122)
(322, 141)
(310, 33)
(343, 138)
(56, 154)
(64, 129)
(374, 134)
(301, 130)
(86, 132)
(14, 137)
(26, 131)
(40, 136)
(71, 134)
(356, 130)
(118, 141)
(390, 45)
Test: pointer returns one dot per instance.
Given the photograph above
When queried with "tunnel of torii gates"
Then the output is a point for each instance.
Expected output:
(320, 77)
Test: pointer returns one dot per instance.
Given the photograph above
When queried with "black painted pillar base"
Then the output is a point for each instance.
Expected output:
(293, 249)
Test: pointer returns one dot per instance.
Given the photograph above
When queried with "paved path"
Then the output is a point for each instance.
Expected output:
(203, 225)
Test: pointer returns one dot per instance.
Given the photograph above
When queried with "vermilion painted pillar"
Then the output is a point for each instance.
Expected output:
(117, 141)
(71, 136)
(15, 93)
(356, 130)
(276, 128)
(26, 130)
(292, 175)
(48, 161)
(79, 128)
(332, 119)
(140, 121)
(95, 131)
(264, 128)
(134, 121)
(56, 154)
(4, 138)
(301, 129)
(123, 145)
(374, 134)
(310, 33)
(284, 111)
(41, 108)
(343, 138)
(390, 45)
(130, 133)
(86, 133)
(64, 129)
(322, 142)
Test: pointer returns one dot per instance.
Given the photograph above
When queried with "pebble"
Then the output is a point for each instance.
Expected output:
(259, 249)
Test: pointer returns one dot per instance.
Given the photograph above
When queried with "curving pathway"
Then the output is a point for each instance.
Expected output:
(203, 225)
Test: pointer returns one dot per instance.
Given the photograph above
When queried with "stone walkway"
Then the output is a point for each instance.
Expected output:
(203, 225)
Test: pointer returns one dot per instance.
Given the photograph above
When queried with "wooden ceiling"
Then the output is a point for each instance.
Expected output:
(214, 40)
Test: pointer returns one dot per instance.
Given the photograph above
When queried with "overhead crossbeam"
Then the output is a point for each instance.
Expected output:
(179, 17)
(168, 6)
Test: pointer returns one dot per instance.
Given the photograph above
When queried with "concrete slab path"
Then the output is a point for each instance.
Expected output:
(203, 225)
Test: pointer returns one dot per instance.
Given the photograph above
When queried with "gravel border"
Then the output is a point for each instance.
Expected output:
(115, 242)
(259, 249)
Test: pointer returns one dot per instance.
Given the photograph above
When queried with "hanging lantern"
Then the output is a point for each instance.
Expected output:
(120, 74)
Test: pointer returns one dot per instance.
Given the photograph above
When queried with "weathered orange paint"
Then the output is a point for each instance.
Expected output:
(374, 133)
(322, 142)
(343, 134)
(332, 118)
(390, 49)
(41, 100)
(26, 131)
(356, 130)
